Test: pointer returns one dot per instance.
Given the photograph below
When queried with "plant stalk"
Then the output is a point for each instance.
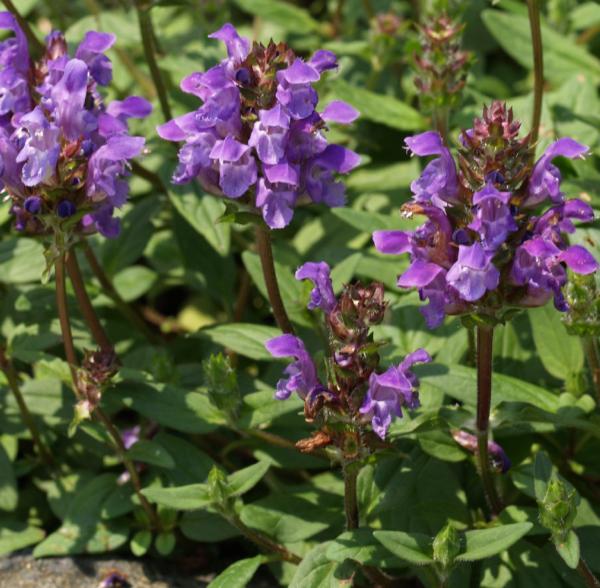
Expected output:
(485, 336)
(148, 41)
(588, 576)
(85, 304)
(350, 500)
(12, 378)
(533, 8)
(591, 350)
(65, 323)
(38, 46)
(265, 251)
(125, 309)
(440, 118)
(263, 541)
(98, 413)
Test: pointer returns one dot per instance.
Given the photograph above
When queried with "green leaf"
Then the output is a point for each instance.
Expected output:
(191, 464)
(238, 574)
(384, 178)
(362, 547)
(242, 481)
(140, 543)
(484, 543)
(461, 382)
(190, 497)
(194, 496)
(80, 531)
(562, 56)
(9, 496)
(414, 548)
(288, 518)
(206, 526)
(152, 453)
(135, 281)
(317, 571)
(21, 260)
(116, 22)
(243, 338)
(542, 471)
(286, 15)
(165, 543)
(15, 535)
(561, 353)
(379, 108)
(569, 549)
(202, 212)
(258, 408)
(174, 407)
(367, 222)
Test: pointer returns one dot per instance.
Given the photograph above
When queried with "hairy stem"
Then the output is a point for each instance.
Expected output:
(85, 304)
(350, 500)
(125, 309)
(148, 41)
(591, 350)
(262, 541)
(265, 251)
(538, 66)
(484, 397)
(588, 576)
(37, 45)
(98, 413)
(12, 378)
(65, 323)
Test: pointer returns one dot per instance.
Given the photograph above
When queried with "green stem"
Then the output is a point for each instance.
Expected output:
(125, 309)
(440, 121)
(12, 378)
(591, 349)
(262, 541)
(588, 576)
(485, 336)
(148, 36)
(85, 304)
(538, 66)
(368, 8)
(265, 252)
(37, 46)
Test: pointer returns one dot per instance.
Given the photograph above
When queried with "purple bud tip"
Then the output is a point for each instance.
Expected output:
(461, 237)
(243, 77)
(65, 209)
(33, 204)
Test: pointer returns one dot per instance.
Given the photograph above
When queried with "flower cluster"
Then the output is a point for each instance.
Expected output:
(257, 137)
(355, 393)
(63, 152)
(494, 238)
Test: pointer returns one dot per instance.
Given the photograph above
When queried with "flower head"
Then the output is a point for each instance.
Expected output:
(322, 295)
(488, 245)
(258, 138)
(390, 391)
(64, 153)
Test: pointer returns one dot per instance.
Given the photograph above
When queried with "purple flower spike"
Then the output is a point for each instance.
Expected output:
(545, 178)
(258, 134)
(302, 374)
(438, 183)
(390, 391)
(473, 274)
(322, 295)
(57, 135)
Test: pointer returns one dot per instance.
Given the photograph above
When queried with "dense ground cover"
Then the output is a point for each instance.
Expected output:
(303, 291)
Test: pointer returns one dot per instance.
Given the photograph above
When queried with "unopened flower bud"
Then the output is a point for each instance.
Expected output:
(221, 381)
(558, 508)
(218, 488)
(446, 546)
